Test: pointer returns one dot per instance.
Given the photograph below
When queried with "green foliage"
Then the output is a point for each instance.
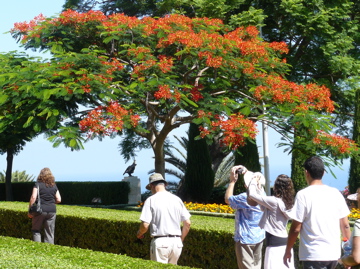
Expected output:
(18, 176)
(19, 253)
(199, 176)
(354, 178)
(297, 171)
(77, 193)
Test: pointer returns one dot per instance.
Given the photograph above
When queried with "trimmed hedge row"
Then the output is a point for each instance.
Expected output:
(208, 245)
(20, 253)
(73, 193)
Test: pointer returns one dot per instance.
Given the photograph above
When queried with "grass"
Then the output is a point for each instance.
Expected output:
(22, 253)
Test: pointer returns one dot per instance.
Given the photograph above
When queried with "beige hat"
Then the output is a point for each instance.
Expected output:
(352, 197)
(248, 176)
(154, 178)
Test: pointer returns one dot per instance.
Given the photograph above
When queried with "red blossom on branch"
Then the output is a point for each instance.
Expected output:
(108, 119)
(340, 144)
(236, 130)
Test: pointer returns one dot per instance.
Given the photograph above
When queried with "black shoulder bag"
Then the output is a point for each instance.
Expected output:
(35, 208)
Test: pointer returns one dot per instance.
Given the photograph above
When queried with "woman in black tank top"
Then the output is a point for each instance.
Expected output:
(49, 197)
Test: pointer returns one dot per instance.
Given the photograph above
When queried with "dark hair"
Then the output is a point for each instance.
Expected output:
(315, 166)
(284, 189)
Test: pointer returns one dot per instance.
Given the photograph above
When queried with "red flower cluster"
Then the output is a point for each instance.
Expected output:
(339, 144)
(163, 92)
(196, 94)
(114, 65)
(165, 63)
(106, 120)
(280, 90)
(235, 129)
(25, 27)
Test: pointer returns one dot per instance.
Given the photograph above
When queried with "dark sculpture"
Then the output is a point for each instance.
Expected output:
(130, 169)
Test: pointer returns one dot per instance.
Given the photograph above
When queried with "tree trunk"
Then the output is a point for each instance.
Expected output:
(159, 157)
(354, 175)
(9, 164)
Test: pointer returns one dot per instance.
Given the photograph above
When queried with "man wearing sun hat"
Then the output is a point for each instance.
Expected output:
(248, 235)
(163, 212)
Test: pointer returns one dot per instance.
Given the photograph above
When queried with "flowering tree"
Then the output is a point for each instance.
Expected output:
(175, 70)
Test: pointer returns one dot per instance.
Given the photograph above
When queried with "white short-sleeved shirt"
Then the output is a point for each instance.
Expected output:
(319, 208)
(164, 212)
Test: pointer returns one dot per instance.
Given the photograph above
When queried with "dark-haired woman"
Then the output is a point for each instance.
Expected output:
(49, 197)
(275, 218)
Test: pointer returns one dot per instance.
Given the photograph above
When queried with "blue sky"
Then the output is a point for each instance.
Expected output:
(101, 161)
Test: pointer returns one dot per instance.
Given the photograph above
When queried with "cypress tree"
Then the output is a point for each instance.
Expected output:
(297, 170)
(199, 176)
(354, 174)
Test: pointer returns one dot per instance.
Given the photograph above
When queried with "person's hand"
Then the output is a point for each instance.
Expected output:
(139, 236)
(256, 178)
(234, 174)
(287, 258)
(30, 216)
(340, 261)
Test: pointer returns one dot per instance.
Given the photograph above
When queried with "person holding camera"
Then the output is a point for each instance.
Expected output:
(248, 235)
(275, 218)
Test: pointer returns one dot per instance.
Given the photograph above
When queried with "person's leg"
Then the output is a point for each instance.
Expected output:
(160, 249)
(176, 250)
(49, 228)
(37, 223)
(244, 255)
(257, 252)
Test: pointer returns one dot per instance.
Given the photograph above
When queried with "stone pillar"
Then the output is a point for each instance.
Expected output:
(135, 189)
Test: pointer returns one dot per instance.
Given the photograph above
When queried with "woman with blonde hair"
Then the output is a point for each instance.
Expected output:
(275, 218)
(49, 197)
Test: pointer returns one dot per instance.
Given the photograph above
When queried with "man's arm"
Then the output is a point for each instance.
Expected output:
(293, 235)
(345, 227)
(185, 229)
(144, 226)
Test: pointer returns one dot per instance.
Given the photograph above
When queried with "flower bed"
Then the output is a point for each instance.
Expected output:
(214, 208)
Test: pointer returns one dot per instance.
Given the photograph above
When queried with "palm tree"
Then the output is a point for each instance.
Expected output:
(17, 176)
(221, 173)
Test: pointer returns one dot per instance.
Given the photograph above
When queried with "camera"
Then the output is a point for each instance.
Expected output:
(239, 171)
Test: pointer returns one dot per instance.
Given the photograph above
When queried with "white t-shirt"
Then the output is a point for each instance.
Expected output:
(164, 211)
(319, 208)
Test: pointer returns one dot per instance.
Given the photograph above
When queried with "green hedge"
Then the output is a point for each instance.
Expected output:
(20, 253)
(208, 245)
(76, 193)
